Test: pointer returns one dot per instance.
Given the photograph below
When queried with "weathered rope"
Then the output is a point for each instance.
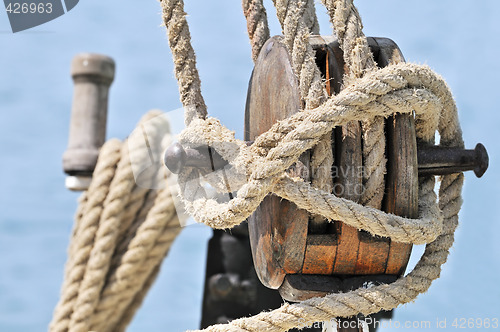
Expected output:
(400, 88)
(84, 233)
(257, 25)
(136, 303)
(179, 39)
(427, 229)
(358, 61)
(370, 95)
(122, 232)
(298, 21)
(349, 29)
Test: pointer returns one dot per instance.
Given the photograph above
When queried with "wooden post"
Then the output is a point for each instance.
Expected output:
(92, 75)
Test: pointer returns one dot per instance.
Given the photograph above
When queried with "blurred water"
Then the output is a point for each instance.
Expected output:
(459, 39)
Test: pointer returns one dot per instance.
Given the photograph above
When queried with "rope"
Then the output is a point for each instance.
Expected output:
(369, 96)
(400, 88)
(123, 229)
(257, 25)
(179, 39)
(435, 225)
(122, 232)
(358, 61)
(86, 226)
(298, 20)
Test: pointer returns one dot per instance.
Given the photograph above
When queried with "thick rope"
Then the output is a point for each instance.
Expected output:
(358, 61)
(292, 16)
(179, 39)
(349, 29)
(136, 303)
(123, 230)
(257, 25)
(82, 238)
(370, 95)
(298, 21)
(406, 289)
(397, 88)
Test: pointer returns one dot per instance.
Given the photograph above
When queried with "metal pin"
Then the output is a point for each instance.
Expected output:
(438, 160)
(176, 158)
(434, 160)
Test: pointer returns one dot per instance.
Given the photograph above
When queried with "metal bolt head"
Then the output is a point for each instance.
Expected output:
(482, 160)
(175, 158)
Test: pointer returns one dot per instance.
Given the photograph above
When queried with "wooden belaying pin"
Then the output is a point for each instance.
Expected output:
(92, 76)
(432, 160)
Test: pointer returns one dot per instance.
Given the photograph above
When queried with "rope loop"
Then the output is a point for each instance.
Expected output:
(127, 222)
(255, 171)
(369, 96)
(123, 229)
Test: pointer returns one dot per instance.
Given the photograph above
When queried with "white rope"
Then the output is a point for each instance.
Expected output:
(122, 230)
(260, 169)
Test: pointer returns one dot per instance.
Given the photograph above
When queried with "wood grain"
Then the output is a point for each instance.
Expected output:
(401, 196)
(285, 240)
(277, 229)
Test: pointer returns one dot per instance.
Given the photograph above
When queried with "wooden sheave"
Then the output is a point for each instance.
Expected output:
(293, 251)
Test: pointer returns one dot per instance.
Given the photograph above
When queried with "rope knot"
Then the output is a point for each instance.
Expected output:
(259, 170)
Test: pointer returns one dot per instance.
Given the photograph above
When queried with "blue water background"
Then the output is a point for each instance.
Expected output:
(459, 39)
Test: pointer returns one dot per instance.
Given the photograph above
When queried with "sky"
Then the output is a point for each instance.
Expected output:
(458, 39)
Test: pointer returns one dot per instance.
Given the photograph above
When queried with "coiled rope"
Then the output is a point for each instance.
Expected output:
(123, 230)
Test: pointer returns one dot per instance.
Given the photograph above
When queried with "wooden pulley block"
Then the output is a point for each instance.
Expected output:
(293, 251)
(306, 256)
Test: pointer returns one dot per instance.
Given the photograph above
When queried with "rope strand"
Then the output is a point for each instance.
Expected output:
(123, 231)
(186, 73)
(257, 25)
